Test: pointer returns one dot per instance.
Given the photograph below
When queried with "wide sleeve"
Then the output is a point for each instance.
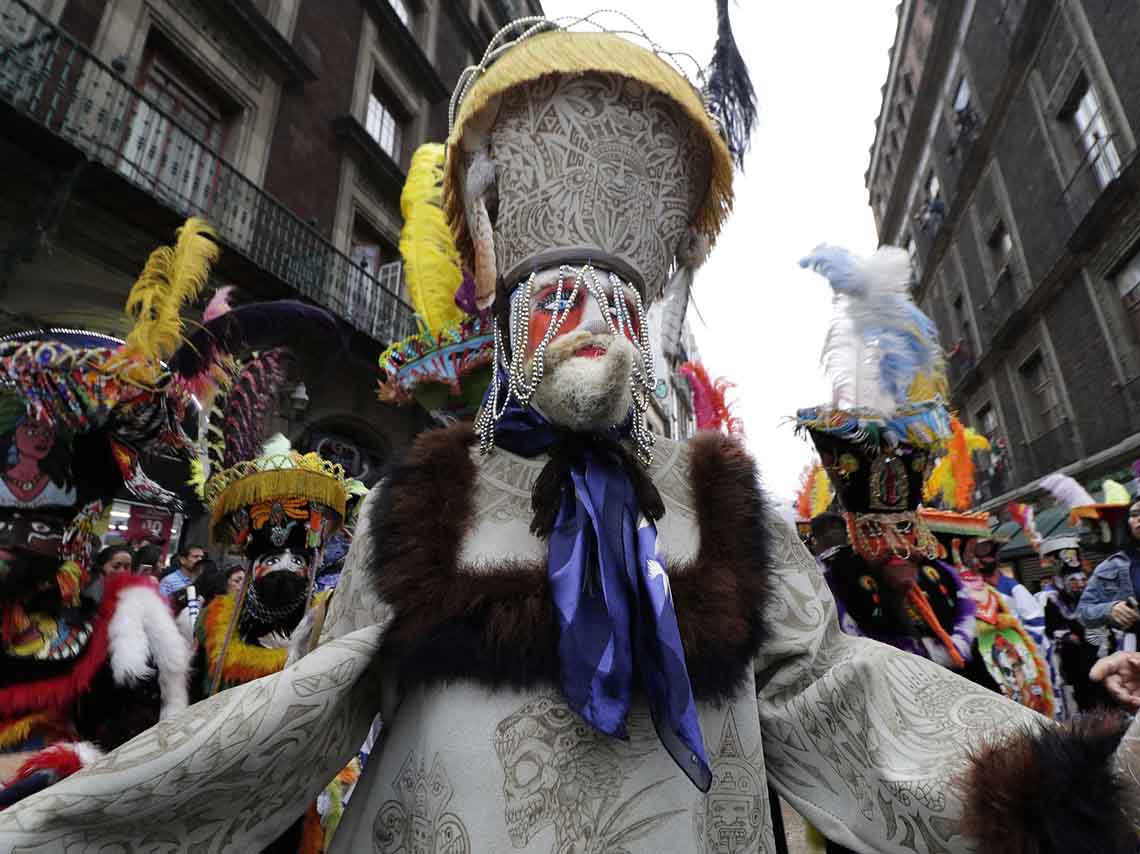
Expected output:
(231, 773)
(862, 739)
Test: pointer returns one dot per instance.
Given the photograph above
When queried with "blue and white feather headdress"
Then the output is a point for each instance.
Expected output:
(881, 353)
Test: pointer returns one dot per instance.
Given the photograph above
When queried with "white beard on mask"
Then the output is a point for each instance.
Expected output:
(583, 393)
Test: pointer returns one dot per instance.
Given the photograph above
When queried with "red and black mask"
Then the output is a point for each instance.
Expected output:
(30, 542)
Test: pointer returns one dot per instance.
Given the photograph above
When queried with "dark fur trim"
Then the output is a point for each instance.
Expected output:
(1049, 790)
(498, 626)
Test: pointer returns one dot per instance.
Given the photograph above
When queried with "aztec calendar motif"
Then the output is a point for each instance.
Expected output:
(596, 161)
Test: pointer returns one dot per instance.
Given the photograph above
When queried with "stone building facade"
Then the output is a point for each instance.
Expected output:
(289, 124)
(1005, 162)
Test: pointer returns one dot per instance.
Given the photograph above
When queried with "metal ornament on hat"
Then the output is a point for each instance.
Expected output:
(521, 387)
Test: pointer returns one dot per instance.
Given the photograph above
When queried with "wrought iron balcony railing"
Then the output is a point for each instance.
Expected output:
(959, 362)
(1001, 304)
(1097, 169)
(1052, 449)
(52, 79)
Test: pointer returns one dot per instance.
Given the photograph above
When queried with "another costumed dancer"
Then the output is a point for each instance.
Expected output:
(1005, 657)
(877, 444)
(1074, 654)
(578, 639)
(88, 660)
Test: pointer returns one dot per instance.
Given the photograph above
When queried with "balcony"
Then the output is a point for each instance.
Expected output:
(51, 80)
(990, 483)
(959, 362)
(1000, 306)
(967, 127)
(1051, 450)
(1097, 169)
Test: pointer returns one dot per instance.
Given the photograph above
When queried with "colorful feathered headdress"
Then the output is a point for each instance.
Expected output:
(952, 478)
(881, 352)
(712, 410)
(431, 261)
(814, 495)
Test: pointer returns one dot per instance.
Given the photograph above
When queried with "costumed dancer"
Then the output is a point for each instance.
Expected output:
(1073, 654)
(877, 443)
(1004, 657)
(578, 640)
(89, 660)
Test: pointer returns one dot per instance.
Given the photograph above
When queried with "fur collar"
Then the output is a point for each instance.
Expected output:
(143, 638)
(497, 625)
(59, 687)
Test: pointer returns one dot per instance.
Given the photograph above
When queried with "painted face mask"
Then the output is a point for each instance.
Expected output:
(879, 537)
(286, 560)
(30, 543)
(579, 350)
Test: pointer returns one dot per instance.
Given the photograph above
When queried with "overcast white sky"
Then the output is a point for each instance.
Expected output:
(817, 66)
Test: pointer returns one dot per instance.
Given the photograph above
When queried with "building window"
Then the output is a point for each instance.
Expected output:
(174, 149)
(962, 95)
(1127, 281)
(1001, 250)
(962, 326)
(401, 10)
(908, 84)
(1043, 404)
(912, 254)
(382, 124)
(1094, 142)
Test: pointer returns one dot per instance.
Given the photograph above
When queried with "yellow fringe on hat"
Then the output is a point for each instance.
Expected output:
(278, 483)
(431, 261)
(564, 52)
(172, 277)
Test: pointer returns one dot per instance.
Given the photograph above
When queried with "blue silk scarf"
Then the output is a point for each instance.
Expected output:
(616, 620)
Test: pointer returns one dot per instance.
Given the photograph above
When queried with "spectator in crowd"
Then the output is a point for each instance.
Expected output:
(1110, 597)
(189, 602)
(187, 572)
(235, 578)
(146, 560)
(113, 559)
(1021, 603)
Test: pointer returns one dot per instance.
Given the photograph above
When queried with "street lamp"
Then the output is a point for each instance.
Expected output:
(299, 400)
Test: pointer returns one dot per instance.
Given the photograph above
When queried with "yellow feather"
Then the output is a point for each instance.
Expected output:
(941, 482)
(431, 261)
(821, 492)
(172, 277)
(975, 441)
(197, 477)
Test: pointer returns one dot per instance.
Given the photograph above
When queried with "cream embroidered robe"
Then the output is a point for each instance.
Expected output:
(860, 738)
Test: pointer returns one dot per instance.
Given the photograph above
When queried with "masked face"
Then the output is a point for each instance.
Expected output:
(285, 560)
(881, 537)
(30, 541)
(985, 557)
(587, 365)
